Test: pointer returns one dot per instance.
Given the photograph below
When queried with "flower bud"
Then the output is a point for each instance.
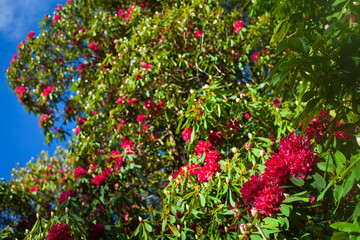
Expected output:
(254, 212)
(227, 180)
(243, 228)
(234, 150)
(250, 136)
(286, 195)
(178, 227)
(52, 214)
(26, 231)
(187, 207)
(67, 210)
(196, 236)
(262, 153)
(140, 219)
(37, 216)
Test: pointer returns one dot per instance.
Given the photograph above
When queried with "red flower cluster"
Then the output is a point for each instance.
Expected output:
(141, 118)
(21, 91)
(198, 33)
(215, 137)
(65, 196)
(98, 180)
(238, 25)
(43, 119)
(94, 47)
(295, 158)
(59, 232)
(96, 231)
(48, 90)
(319, 126)
(212, 157)
(34, 189)
(203, 147)
(79, 172)
(127, 145)
(345, 136)
(186, 134)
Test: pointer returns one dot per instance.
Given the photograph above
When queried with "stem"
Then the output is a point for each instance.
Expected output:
(257, 225)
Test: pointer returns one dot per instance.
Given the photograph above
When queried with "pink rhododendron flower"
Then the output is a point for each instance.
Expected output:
(34, 189)
(141, 118)
(48, 90)
(215, 137)
(59, 232)
(58, 8)
(65, 196)
(234, 125)
(79, 172)
(203, 147)
(238, 25)
(149, 105)
(43, 119)
(96, 231)
(186, 134)
(77, 131)
(120, 12)
(198, 33)
(212, 156)
(251, 189)
(276, 103)
(318, 126)
(128, 146)
(132, 100)
(269, 199)
(57, 17)
(255, 56)
(98, 180)
(298, 154)
(205, 173)
(94, 47)
(345, 136)
(21, 91)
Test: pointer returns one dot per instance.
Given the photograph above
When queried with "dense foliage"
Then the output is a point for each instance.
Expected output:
(191, 120)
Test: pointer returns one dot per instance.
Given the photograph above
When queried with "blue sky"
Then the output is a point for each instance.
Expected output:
(20, 135)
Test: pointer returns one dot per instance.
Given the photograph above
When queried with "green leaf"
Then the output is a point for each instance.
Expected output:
(148, 227)
(297, 181)
(296, 44)
(294, 198)
(345, 227)
(271, 221)
(174, 230)
(319, 181)
(325, 190)
(285, 209)
(202, 200)
(285, 66)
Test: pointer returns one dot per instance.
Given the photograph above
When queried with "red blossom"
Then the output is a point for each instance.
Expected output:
(48, 90)
(198, 33)
(79, 172)
(59, 232)
(65, 196)
(203, 147)
(96, 231)
(34, 189)
(98, 180)
(141, 118)
(238, 25)
(57, 17)
(186, 134)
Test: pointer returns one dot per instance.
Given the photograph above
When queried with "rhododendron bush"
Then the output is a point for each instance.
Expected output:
(191, 120)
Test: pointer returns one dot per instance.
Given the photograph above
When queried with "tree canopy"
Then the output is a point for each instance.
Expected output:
(190, 120)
